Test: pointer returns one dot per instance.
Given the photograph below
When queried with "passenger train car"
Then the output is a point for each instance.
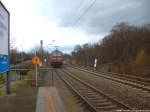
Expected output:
(56, 58)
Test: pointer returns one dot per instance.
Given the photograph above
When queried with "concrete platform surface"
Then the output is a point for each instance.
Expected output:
(48, 100)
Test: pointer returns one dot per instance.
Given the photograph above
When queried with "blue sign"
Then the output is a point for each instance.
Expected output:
(4, 63)
(4, 39)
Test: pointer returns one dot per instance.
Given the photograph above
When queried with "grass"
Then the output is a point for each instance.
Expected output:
(21, 99)
(14, 87)
(20, 83)
(24, 99)
(2, 91)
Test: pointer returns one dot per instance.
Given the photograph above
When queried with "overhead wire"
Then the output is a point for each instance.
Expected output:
(88, 8)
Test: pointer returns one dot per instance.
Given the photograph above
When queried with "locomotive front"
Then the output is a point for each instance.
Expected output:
(56, 58)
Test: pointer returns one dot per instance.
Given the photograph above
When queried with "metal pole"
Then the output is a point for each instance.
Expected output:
(7, 84)
(36, 75)
(52, 79)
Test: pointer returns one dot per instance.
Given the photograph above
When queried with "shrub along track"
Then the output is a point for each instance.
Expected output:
(93, 99)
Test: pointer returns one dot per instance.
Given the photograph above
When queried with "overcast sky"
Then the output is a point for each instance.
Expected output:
(47, 20)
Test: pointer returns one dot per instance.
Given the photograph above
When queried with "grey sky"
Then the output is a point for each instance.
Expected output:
(101, 17)
(47, 20)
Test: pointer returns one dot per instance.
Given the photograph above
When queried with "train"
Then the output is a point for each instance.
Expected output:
(56, 58)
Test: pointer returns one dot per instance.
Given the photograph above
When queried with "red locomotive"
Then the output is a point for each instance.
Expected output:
(56, 58)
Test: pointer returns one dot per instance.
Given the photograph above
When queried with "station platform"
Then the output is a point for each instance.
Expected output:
(48, 100)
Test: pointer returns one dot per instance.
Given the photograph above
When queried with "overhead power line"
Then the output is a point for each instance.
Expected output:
(79, 18)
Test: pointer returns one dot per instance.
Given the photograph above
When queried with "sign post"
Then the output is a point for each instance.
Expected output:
(36, 75)
(36, 61)
(4, 43)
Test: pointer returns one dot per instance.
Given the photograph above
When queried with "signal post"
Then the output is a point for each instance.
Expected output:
(36, 62)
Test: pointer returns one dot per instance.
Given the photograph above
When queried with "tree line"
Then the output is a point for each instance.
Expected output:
(126, 49)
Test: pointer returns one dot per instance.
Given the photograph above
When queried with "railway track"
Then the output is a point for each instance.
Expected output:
(137, 79)
(94, 99)
(145, 86)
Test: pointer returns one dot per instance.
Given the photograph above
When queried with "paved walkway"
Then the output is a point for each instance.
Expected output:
(48, 100)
